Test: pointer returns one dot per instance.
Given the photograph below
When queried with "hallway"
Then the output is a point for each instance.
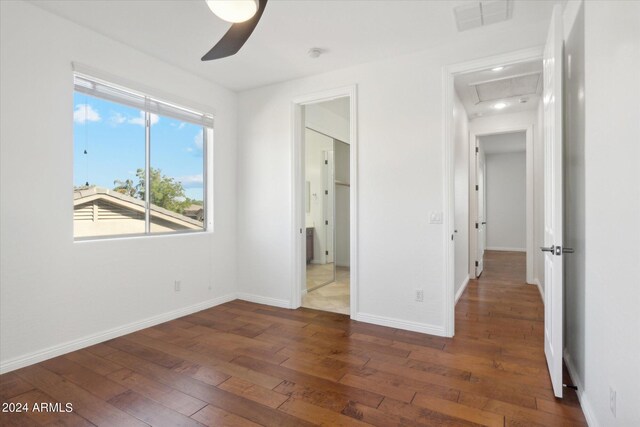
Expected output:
(506, 268)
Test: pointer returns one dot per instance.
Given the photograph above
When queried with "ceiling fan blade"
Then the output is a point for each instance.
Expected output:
(236, 36)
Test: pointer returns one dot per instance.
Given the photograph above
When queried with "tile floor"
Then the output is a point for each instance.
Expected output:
(333, 297)
(319, 275)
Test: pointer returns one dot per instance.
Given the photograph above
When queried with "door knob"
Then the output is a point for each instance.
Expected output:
(551, 249)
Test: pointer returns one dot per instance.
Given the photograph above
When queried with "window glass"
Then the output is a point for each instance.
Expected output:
(122, 139)
(177, 175)
(109, 150)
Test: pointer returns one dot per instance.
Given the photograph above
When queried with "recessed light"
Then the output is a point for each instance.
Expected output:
(499, 105)
(497, 68)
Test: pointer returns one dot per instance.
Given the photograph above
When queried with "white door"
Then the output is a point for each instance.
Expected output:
(553, 287)
(481, 221)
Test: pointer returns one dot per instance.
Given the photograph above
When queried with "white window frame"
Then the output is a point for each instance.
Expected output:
(103, 89)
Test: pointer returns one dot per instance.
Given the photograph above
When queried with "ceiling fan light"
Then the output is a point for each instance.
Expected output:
(233, 10)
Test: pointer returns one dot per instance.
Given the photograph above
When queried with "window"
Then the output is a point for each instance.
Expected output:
(140, 164)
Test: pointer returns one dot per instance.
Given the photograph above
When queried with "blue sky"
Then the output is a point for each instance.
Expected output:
(113, 136)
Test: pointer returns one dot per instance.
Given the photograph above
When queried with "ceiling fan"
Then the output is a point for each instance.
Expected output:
(244, 14)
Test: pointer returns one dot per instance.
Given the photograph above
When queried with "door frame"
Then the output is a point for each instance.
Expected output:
(473, 202)
(474, 206)
(298, 186)
(448, 74)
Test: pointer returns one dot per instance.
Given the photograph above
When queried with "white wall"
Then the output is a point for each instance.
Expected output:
(400, 179)
(608, 356)
(461, 187)
(53, 291)
(506, 201)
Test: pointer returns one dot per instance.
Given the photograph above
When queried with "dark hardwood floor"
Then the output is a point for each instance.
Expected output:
(245, 364)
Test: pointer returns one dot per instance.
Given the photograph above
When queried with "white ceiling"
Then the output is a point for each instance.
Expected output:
(352, 32)
(503, 143)
(338, 106)
(480, 91)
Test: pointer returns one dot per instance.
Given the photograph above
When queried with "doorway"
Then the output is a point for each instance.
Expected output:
(492, 96)
(327, 182)
(503, 211)
(324, 143)
(548, 173)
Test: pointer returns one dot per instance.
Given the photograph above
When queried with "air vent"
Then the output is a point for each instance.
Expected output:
(480, 13)
(508, 88)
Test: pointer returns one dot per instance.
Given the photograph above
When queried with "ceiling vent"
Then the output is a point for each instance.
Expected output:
(480, 13)
(524, 85)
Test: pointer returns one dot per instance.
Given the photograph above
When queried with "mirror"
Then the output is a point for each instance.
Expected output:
(319, 218)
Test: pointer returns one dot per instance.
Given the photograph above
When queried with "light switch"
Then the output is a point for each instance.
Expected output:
(435, 218)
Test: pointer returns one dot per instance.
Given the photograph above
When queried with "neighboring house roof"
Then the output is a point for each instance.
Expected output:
(93, 193)
(195, 211)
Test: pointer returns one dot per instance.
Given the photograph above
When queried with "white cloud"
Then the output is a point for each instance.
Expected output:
(85, 113)
(191, 181)
(198, 140)
(181, 125)
(153, 118)
(117, 119)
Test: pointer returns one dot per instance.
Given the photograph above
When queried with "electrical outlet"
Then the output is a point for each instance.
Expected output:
(177, 285)
(419, 295)
(612, 401)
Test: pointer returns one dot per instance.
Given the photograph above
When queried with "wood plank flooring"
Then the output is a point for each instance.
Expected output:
(245, 364)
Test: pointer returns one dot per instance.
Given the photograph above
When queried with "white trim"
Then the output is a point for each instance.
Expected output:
(400, 324)
(587, 408)
(539, 285)
(448, 167)
(448, 73)
(259, 299)
(464, 285)
(530, 210)
(57, 350)
(473, 208)
(298, 273)
(505, 249)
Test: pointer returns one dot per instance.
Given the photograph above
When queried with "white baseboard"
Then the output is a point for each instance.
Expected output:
(501, 248)
(464, 285)
(536, 282)
(587, 409)
(400, 324)
(57, 350)
(258, 299)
